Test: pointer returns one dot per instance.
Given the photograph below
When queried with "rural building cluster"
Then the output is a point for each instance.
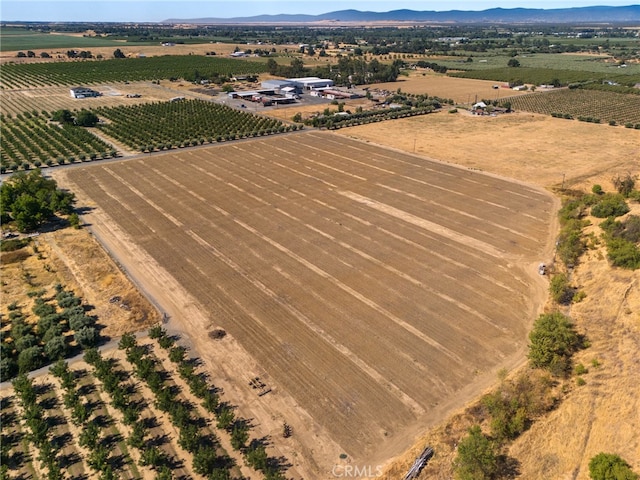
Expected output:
(288, 90)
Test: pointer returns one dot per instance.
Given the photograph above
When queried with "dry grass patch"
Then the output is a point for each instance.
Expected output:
(528, 147)
(461, 90)
(74, 259)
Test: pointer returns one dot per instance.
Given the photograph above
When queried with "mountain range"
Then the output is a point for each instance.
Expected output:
(595, 14)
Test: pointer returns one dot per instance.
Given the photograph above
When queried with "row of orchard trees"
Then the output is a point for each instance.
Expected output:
(203, 446)
(30, 140)
(135, 414)
(188, 67)
(166, 125)
(63, 328)
(39, 431)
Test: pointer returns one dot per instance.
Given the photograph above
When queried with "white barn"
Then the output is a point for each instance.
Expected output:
(311, 83)
(83, 92)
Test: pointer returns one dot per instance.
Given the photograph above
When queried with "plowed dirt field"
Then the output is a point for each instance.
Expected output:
(371, 286)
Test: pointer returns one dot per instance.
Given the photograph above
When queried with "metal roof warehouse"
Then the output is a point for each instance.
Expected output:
(311, 83)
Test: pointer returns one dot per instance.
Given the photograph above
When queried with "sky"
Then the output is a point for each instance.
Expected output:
(159, 10)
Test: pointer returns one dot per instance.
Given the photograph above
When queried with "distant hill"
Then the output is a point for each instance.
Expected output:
(597, 14)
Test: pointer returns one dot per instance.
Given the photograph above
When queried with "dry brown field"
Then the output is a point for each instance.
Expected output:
(370, 285)
(532, 148)
(464, 91)
(76, 260)
(601, 415)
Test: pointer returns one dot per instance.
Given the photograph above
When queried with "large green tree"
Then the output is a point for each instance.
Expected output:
(476, 459)
(608, 466)
(30, 199)
(552, 342)
(86, 118)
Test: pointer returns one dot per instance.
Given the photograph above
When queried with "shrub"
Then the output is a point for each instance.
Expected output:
(56, 348)
(30, 359)
(610, 205)
(477, 458)
(608, 466)
(580, 369)
(623, 253)
(579, 296)
(624, 185)
(571, 245)
(597, 189)
(515, 403)
(552, 342)
(560, 289)
(86, 337)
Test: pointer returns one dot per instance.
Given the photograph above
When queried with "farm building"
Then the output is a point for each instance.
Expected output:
(279, 84)
(265, 97)
(83, 92)
(334, 94)
(311, 83)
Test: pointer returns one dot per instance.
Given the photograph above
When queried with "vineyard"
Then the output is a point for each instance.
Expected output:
(144, 411)
(29, 140)
(544, 76)
(85, 72)
(166, 125)
(578, 103)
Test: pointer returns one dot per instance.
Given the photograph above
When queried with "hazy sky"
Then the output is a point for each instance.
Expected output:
(158, 10)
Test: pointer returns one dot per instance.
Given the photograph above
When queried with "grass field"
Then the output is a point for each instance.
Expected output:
(553, 61)
(369, 284)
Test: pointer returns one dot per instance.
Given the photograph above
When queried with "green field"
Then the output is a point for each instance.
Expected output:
(540, 76)
(554, 61)
(14, 39)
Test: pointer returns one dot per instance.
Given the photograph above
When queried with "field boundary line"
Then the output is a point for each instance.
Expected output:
(426, 224)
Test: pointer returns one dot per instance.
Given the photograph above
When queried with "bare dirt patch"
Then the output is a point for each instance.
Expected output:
(319, 256)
